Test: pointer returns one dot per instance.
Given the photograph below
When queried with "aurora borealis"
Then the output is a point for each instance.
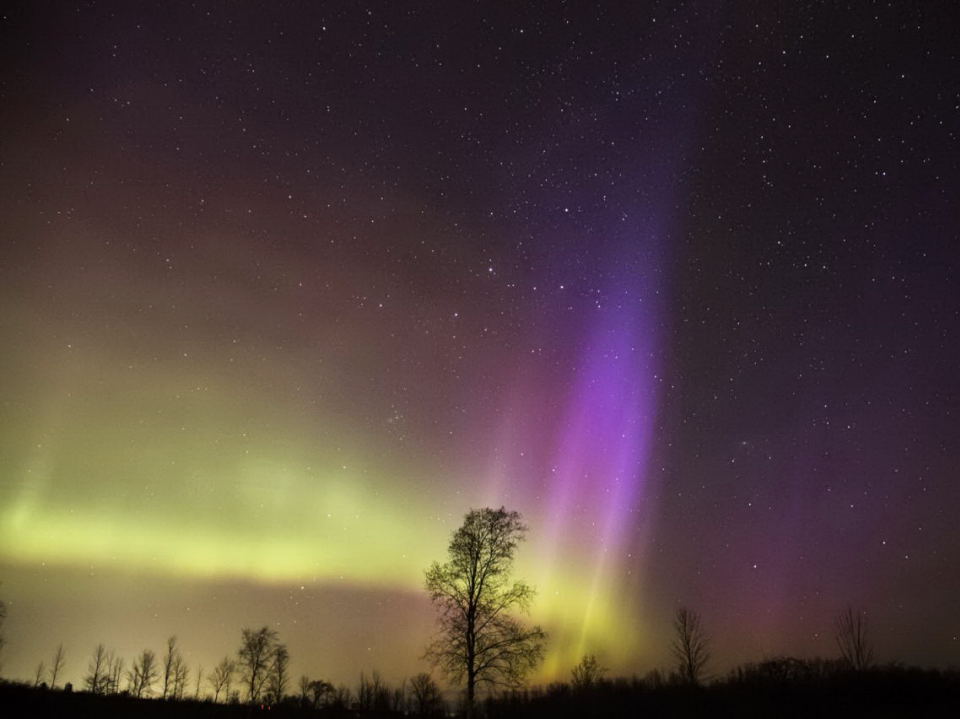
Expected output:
(286, 290)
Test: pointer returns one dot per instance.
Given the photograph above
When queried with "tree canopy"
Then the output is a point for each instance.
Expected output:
(481, 640)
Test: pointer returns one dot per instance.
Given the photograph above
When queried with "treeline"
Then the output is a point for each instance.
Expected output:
(781, 687)
(256, 678)
(482, 645)
(257, 675)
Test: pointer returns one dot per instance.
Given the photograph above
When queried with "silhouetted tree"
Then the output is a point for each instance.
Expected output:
(255, 655)
(342, 697)
(480, 641)
(114, 674)
(689, 645)
(98, 671)
(196, 693)
(221, 678)
(365, 692)
(143, 674)
(169, 666)
(587, 673)
(398, 699)
(373, 694)
(654, 679)
(852, 639)
(318, 692)
(279, 673)
(426, 699)
(56, 666)
(38, 678)
(181, 675)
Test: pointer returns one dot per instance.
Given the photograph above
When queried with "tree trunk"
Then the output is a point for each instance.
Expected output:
(471, 680)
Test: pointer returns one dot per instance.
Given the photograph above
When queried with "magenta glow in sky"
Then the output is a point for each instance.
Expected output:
(286, 293)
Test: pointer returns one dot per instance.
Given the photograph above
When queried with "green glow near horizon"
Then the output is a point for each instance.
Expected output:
(150, 476)
(359, 550)
(337, 531)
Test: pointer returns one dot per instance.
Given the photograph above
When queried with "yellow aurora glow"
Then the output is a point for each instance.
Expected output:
(180, 467)
(335, 529)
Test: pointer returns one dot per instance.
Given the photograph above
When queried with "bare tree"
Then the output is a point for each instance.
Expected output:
(654, 679)
(112, 668)
(57, 666)
(342, 697)
(98, 671)
(587, 673)
(426, 699)
(480, 639)
(221, 678)
(398, 699)
(196, 693)
(169, 664)
(115, 672)
(279, 673)
(690, 645)
(255, 655)
(365, 692)
(372, 693)
(181, 675)
(143, 674)
(853, 640)
(38, 678)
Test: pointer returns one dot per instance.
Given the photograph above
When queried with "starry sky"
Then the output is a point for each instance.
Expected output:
(287, 288)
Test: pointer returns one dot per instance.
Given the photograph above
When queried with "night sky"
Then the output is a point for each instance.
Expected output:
(287, 288)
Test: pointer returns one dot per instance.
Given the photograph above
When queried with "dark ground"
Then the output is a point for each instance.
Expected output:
(778, 688)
